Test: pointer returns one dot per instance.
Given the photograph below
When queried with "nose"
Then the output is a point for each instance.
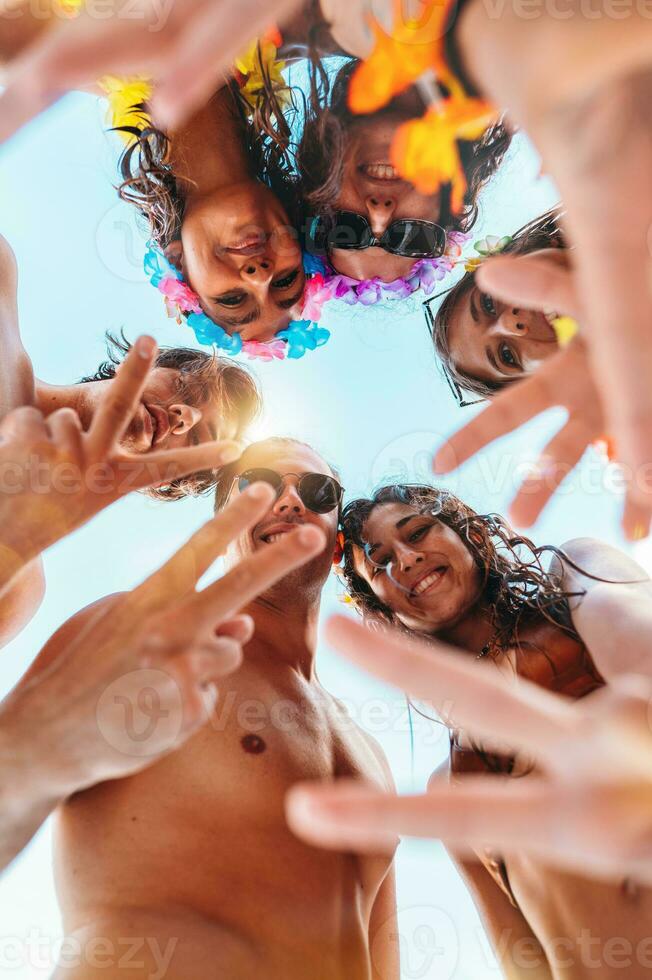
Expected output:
(258, 270)
(406, 558)
(183, 418)
(513, 322)
(380, 211)
(289, 502)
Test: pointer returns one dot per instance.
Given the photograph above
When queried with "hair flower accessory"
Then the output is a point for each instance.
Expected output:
(486, 247)
(180, 300)
(259, 66)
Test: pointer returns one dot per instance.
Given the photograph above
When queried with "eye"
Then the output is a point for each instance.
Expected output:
(230, 299)
(487, 304)
(418, 533)
(508, 357)
(286, 281)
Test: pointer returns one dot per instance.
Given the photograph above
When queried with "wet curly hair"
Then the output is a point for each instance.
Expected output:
(204, 377)
(322, 147)
(517, 587)
(542, 233)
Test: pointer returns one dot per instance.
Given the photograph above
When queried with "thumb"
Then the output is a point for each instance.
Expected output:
(536, 282)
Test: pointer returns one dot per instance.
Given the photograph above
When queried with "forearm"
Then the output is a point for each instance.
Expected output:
(27, 794)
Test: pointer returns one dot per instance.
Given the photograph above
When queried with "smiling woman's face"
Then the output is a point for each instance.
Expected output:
(418, 567)
(239, 254)
(493, 341)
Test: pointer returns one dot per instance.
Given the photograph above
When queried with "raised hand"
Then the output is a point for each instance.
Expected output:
(588, 809)
(187, 47)
(54, 477)
(138, 676)
(539, 281)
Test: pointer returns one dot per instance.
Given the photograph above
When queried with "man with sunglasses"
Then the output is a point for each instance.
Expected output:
(199, 842)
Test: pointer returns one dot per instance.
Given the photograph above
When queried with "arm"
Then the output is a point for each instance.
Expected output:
(517, 949)
(20, 600)
(614, 620)
(384, 947)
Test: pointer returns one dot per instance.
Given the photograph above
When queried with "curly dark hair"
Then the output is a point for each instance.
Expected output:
(149, 181)
(204, 376)
(541, 233)
(516, 587)
(321, 151)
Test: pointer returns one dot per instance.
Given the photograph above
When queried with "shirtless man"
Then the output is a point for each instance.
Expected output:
(194, 853)
(189, 399)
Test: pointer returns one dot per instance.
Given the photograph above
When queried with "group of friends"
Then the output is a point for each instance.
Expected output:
(252, 827)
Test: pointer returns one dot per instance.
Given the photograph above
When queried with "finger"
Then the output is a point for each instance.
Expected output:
(463, 692)
(206, 51)
(163, 468)
(532, 281)
(66, 429)
(255, 575)
(481, 811)
(636, 519)
(558, 459)
(182, 572)
(121, 400)
(240, 628)
(24, 423)
(515, 405)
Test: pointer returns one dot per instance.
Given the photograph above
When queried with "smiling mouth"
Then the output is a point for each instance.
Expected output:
(275, 535)
(380, 171)
(253, 245)
(429, 581)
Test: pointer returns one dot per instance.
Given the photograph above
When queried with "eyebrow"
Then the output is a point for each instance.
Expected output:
(399, 524)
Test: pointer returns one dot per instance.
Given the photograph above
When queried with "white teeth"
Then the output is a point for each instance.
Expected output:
(427, 582)
(381, 171)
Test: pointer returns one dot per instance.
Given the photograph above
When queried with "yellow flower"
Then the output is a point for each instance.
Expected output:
(252, 68)
(425, 150)
(399, 59)
(565, 328)
(124, 95)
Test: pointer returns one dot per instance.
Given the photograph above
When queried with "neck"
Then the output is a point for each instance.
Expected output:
(49, 398)
(471, 633)
(286, 631)
(209, 151)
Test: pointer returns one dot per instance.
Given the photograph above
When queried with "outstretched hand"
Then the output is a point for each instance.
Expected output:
(187, 47)
(54, 476)
(588, 810)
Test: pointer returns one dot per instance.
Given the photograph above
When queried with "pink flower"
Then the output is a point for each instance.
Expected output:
(179, 294)
(258, 350)
(317, 293)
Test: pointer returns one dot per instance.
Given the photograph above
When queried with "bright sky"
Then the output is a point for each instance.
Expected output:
(371, 401)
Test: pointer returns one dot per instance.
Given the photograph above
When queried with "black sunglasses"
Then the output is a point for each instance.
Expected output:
(410, 237)
(318, 492)
(455, 387)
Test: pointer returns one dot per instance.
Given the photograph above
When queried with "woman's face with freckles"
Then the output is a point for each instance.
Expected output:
(418, 567)
(496, 342)
(238, 252)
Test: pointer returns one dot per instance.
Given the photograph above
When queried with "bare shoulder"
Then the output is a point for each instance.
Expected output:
(591, 561)
(363, 737)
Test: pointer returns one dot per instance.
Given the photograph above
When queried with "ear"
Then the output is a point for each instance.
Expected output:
(174, 254)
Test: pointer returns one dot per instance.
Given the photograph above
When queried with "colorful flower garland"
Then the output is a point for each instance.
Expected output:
(180, 300)
(326, 284)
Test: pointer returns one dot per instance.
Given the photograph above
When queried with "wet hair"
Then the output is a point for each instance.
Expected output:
(227, 474)
(516, 587)
(542, 233)
(151, 185)
(321, 152)
(205, 377)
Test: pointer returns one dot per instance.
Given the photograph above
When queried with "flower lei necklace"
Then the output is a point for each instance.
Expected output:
(293, 342)
(326, 284)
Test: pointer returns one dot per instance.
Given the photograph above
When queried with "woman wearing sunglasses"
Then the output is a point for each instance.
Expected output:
(369, 225)
(418, 559)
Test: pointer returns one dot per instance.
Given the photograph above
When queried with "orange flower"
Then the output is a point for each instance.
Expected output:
(425, 150)
(399, 59)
